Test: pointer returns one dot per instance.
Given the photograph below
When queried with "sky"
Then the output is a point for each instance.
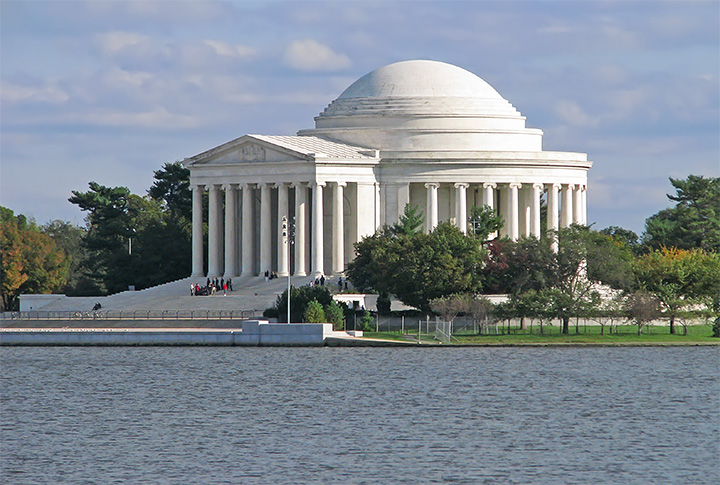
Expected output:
(109, 91)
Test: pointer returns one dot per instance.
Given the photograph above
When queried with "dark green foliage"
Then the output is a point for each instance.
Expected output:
(484, 221)
(694, 222)
(383, 304)
(716, 328)
(334, 314)
(172, 186)
(299, 300)
(418, 268)
(133, 240)
(409, 223)
(624, 236)
(366, 322)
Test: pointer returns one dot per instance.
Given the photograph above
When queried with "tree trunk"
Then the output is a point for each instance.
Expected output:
(565, 325)
(522, 323)
(672, 324)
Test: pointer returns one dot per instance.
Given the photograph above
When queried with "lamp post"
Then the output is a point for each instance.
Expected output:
(288, 235)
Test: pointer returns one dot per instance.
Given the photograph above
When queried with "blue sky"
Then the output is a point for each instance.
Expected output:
(109, 91)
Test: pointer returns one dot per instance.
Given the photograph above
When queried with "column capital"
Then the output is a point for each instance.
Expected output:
(317, 184)
(210, 187)
(299, 184)
(341, 184)
(229, 186)
(266, 185)
(463, 185)
(248, 185)
(555, 186)
(538, 186)
(434, 185)
(514, 185)
(570, 186)
(489, 185)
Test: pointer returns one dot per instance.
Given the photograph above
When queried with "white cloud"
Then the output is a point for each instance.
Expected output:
(572, 114)
(15, 93)
(311, 55)
(114, 42)
(230, 50)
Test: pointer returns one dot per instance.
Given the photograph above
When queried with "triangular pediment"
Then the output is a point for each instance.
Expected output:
(277, 149)
(246, 149)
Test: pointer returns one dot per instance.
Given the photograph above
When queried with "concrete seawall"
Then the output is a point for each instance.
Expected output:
(252, 333)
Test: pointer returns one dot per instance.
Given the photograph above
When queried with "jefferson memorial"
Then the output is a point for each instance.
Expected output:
(423, 133)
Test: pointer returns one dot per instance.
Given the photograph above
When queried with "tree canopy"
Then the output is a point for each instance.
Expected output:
(30, 261)
(694, 222)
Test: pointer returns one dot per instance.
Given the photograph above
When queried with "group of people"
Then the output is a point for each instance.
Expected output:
(212, 286)
(270, 275)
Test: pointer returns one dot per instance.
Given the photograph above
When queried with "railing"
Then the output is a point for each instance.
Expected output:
(134, 315)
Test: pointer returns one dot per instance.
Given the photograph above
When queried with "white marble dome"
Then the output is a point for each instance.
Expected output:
(425, 105)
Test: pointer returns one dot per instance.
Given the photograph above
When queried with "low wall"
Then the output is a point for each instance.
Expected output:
(253, 333)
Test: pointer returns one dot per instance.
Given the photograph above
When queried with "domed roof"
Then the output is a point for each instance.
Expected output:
(424, 105)
(420, 79)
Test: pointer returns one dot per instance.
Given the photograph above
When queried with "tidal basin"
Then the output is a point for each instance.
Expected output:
(359, 415)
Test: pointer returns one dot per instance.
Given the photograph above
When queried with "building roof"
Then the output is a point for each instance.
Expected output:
(316, 146)
(420, 78)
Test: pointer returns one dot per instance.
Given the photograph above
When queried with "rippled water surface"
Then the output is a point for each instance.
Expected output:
(359, 415)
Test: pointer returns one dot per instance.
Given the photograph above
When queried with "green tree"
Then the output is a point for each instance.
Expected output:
(314, 313)
(69, 238)
(334, 314)
(694, 222)
(622, 235)
(680, 278)
(299, 299)
(172, 187)
(484, 221)
(409, 223)
(420, 267)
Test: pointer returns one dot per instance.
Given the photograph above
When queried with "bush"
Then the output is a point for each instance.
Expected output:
(366, 322)
(716, 328)
(314, 313)
(299, 299)
(334, 315)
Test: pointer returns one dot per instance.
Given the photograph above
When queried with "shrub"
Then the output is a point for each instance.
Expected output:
(314, 313)
(334, 315)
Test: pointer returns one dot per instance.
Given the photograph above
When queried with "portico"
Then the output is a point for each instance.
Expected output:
(422, 133)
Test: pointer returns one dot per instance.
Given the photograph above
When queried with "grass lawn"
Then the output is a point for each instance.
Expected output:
(622, 335)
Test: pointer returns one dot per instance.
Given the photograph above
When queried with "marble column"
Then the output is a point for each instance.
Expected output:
(583, 206)
(535, 210)
(300, 222)
(230, 231)
(215, 229)
(461, 216)
(553, 219)
(248, 229)
(577, 205)
(317, 230)
(431, 211)
(282, 243)
(513, 207)
(265, 229)
(488, 199)
(489, 195)
(338, 233)
(197, 232)
(566, 213)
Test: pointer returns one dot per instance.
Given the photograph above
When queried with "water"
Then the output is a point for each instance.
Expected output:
(359, 415)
